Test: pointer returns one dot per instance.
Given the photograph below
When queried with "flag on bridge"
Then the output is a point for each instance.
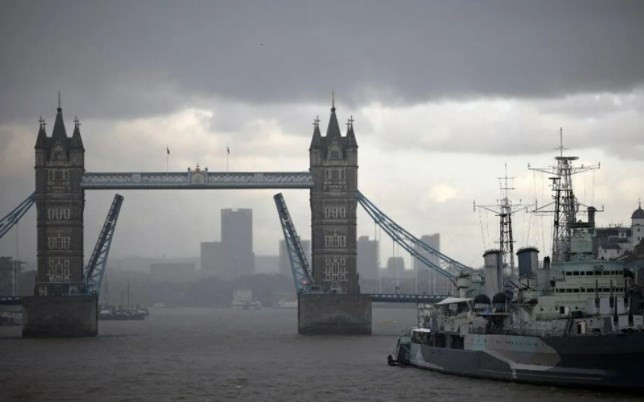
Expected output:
(167, 150)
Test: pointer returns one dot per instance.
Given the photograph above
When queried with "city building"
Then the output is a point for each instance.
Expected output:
(266, 264)
(427, 280)
(395, 267)
(233, 256)
(212, 260)
(173, 271)
(368, 258)
(10, 272)
(617, 242)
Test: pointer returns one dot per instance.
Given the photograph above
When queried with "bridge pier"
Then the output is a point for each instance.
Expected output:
(334, 314)
(59, 316)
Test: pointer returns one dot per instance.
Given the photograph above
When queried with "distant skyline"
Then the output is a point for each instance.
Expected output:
(443, 95)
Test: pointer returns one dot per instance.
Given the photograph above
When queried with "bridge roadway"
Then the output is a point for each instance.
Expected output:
(196, 179)
(405, 298)
(375, 297)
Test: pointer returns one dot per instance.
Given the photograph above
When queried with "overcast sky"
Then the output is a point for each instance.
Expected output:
(443, 95)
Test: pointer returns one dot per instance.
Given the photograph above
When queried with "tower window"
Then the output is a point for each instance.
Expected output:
(335, 269)
(335, 154)
(58, 213)
(57, 174)
(59, 242)
(335, 212)
(334, 174)
(59, 270)
(335, 241)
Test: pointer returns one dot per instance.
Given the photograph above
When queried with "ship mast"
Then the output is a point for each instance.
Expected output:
(566, 205)
(504, 210)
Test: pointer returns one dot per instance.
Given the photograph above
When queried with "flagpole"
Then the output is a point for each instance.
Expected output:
(167, 156)
(227, 156)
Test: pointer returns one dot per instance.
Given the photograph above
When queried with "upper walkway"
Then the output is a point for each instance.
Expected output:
(197, 180)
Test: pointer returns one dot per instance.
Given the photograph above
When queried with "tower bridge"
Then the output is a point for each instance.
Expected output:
(332, 179)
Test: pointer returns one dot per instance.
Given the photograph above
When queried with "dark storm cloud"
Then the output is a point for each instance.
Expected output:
(132, 58)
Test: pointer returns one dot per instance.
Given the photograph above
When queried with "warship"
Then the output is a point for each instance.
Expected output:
(573, 320)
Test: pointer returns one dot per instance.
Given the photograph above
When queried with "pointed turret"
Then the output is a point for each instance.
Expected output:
(41, 141)
(59, 133)
(333, 129)
(76, 141)
(351, 136)
(316, 141)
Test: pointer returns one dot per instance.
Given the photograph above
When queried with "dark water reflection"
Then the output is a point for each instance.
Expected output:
(221, 354)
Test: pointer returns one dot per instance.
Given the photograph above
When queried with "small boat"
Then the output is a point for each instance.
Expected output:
(106, 313)
(287, 304)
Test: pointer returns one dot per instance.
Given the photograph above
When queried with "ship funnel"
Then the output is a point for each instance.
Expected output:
(591, 217)
(528, 261)
(493, 274)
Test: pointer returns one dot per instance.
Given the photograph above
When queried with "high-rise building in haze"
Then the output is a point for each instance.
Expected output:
(429, 281)
(368, 265)
(395, 267)
(368, 259)
(237, 240)
(233, 256)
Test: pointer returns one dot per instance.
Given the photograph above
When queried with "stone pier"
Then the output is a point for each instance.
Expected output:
(334, 314)
(59, 316)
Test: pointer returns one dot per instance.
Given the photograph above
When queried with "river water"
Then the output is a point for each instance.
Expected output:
(222, 354)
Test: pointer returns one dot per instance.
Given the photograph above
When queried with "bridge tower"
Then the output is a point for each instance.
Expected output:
(60, 162)
(334, 168)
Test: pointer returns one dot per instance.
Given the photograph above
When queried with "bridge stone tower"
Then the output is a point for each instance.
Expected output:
(334, 167)
(60, 201)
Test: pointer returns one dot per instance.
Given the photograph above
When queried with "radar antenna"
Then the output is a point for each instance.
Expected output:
(504, 209)
(565, 204)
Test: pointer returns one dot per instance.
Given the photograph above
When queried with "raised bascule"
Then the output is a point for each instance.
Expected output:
(65, 299)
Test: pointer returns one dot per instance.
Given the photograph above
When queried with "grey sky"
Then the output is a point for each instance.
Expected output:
(443, 92)
(134, 58)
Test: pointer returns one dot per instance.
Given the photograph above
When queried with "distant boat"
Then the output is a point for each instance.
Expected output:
(287, 304)
(243, 300)
(106, 313)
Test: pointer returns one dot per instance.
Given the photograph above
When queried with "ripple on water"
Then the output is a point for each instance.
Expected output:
(217, 354)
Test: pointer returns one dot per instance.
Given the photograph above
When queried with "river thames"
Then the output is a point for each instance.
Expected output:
(225, 354)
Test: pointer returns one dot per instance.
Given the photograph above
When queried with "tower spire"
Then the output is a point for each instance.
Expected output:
(41, 140)
(351, 136)
(333, 129)
(59, 132)
(317, 137)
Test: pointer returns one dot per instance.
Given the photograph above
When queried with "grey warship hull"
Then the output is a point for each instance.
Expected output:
(605, 361)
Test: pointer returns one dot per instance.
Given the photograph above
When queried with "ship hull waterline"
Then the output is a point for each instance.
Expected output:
(607, 361)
